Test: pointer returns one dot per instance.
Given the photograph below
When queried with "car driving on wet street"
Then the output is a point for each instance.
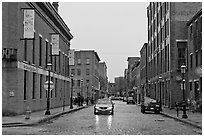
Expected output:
(104, 106)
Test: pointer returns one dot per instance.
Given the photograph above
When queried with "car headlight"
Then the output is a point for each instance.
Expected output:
(96, 107)
(109, 107)
(157, 105)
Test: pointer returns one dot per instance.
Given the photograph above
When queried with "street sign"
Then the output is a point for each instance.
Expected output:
(51, 85)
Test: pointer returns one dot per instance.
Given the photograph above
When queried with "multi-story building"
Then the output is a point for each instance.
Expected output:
(103, 79)
(86, 73)
(112, 89)
(167, 48)
(125, 82)
(135, 80)
(33, 35)
(195, 60)
(120, 85)
(143, 71)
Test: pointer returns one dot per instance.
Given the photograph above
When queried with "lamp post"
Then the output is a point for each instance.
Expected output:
(183, 71)
(71, 106)
(160, 80)
(87, 101)
(81, 87)
(47, 112)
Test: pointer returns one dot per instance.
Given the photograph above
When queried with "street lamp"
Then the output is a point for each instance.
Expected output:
(87, 101)
(160, 80)
(47, 112)
(81, 87)
(183, 71)
(72, 83)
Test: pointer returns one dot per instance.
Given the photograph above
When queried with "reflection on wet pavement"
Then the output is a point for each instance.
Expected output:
(100, 119)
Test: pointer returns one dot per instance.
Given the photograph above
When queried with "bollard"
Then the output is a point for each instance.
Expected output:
(28, 111)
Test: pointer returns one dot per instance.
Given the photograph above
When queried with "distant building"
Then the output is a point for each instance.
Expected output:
(143, 71)
(103, 79)
(167, 48)
(135, 80)
(195, 59)
(112, 88)
(28, 32)
(120, 85)
(86, 73)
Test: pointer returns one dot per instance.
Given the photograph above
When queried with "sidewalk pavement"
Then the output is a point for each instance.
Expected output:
(194, 119)
(37, 117)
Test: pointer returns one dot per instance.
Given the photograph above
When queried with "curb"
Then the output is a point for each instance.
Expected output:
(43, 119)
(186, 122)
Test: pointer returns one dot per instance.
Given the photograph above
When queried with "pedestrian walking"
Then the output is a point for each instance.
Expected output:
(177, 108)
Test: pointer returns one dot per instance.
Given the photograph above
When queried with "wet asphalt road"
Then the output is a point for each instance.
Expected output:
(127, 120)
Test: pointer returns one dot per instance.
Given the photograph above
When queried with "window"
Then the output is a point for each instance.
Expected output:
(87, 61)
(78, 61)
(87, 72)
(191, 86)
(181, 53)
(59, 60)
(25, 50)
(34, 81)
(78, 83)
(191, 32)
(191, 61)
(41, 82)
(87, 81)
(196, 59)
(40, 50)
(73, 71)
(33, 54)
(56, 87)
(25, 85)
(55, 66)
(78, 72)
(46, 53)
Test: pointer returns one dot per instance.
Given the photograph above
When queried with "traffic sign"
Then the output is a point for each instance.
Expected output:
(51, 85)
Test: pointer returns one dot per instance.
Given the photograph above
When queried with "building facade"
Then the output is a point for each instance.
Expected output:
(144, 91)
(195, 60)
(167, 48)
(26, 54)
(86, 74)
(135, 80)
(103, 79)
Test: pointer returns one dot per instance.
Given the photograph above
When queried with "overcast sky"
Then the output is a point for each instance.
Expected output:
(115, 30)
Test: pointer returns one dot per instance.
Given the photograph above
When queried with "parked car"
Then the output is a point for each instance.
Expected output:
(124, 99)
(104, 106)
(130, 100)
(150, 105)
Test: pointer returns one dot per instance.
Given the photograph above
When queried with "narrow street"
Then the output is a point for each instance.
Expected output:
(127, 120)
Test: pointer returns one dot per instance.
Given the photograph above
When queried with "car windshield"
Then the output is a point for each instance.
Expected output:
(104, 102)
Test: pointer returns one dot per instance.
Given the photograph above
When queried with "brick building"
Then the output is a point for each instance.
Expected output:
(135, 80)
(143, 71)
(167, 48)
(195, 60)
(24, 60)
(86, 73)
(103, 79)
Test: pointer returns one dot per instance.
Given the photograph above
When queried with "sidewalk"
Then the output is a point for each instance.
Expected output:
(37, 117)
(194, 119)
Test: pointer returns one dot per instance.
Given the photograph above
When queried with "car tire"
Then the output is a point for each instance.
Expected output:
(94, 111)
(157, 112)
(112, 112)
(142, 110)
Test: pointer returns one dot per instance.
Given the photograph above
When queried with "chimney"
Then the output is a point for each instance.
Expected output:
(56, 5)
